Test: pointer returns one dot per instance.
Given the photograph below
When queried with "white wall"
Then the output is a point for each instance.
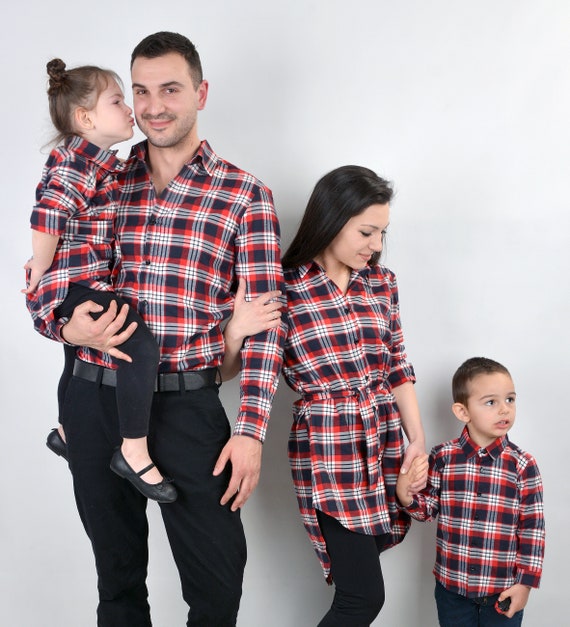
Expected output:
(464, 105)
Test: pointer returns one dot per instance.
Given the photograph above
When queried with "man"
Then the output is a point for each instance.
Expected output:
(189, 226)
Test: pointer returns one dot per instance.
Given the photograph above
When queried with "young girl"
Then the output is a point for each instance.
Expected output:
(73, 236)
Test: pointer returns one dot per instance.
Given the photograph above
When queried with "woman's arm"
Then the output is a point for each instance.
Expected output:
(408, 407)
(248, 318)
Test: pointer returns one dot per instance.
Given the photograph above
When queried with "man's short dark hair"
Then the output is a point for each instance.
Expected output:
(164, 42)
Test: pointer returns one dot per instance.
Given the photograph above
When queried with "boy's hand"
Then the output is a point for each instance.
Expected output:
(408, 479)
(519, 597)
(414, 452)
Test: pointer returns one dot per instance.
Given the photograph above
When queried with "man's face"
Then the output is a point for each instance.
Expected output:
(165, 100)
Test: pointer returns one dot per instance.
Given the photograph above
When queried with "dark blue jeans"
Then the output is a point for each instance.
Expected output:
(455, 610)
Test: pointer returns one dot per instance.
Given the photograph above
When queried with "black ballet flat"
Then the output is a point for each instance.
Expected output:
(55, 444)
(163, 492)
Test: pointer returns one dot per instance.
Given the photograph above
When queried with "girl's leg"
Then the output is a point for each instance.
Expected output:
(135, 389)
(135, 381)
(356, 573)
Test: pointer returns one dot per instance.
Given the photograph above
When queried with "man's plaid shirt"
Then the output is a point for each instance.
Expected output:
(179, 256)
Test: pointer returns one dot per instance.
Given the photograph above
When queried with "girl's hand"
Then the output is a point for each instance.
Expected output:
(35, 276)
(251, 317)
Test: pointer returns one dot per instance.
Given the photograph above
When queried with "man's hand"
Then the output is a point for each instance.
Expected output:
(101, 334)
(244, 453)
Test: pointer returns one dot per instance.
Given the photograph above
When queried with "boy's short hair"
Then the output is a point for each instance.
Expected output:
(470, 369)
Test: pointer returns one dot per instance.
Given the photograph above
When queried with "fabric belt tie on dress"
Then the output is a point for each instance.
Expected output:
(367, 404)
(185, 381)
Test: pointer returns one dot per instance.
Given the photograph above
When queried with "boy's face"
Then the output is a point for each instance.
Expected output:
(490, 410)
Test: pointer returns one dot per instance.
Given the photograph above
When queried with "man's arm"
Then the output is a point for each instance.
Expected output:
(101, 334)
(258, 262)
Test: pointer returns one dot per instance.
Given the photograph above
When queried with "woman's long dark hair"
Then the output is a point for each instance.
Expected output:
(338, 196)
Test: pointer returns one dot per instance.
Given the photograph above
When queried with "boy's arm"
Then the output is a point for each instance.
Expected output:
(43, 251)
(423, 505)
(406, 400)
(531, 535)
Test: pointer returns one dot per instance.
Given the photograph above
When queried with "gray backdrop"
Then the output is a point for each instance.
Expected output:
(464, 105)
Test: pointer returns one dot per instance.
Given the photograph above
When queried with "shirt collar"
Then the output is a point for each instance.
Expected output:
(204, 157)
(471, 449)
(106, 159)
(316, 268)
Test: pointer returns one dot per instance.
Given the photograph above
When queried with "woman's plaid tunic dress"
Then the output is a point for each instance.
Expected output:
(343, 354)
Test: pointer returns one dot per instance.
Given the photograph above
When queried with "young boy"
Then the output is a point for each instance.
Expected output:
(488, 494)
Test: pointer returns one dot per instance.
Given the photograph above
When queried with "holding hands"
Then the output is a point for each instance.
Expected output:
(409, 480)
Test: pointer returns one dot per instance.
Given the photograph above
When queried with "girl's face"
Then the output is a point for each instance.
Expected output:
(112, 120)
(359, 239)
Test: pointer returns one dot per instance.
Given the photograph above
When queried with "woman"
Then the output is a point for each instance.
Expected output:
(344, 355)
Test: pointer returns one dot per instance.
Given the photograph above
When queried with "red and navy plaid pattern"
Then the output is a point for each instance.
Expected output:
(77, 199)
(343, 354)
(179, 256)
(490, 532)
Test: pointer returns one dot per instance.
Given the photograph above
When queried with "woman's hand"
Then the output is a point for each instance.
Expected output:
(251, 317)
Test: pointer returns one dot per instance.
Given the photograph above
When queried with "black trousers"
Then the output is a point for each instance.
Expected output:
(187, 433)
(356, 572)
(135, 380)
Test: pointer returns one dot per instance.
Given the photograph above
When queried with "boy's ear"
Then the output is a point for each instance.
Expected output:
(461, 412)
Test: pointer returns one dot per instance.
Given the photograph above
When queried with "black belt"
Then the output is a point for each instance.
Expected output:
(185, 381)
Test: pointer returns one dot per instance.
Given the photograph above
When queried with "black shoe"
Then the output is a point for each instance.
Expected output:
(55, 443)
(163, 492)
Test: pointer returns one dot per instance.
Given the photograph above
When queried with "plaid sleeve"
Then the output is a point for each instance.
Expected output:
(531, 528)
(258, 261)
(401, 370)
(58, 196)
(56, 201)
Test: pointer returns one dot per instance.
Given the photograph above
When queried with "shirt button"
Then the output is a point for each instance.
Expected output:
(152, 220)
(147, 262)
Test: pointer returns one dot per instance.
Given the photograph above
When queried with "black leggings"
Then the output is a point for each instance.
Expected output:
(135, 381)
(356, 572)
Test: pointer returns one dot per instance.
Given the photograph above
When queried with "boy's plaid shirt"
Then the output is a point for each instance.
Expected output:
(490, 532)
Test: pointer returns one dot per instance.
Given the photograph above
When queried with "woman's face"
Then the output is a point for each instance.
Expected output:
(359, 239)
